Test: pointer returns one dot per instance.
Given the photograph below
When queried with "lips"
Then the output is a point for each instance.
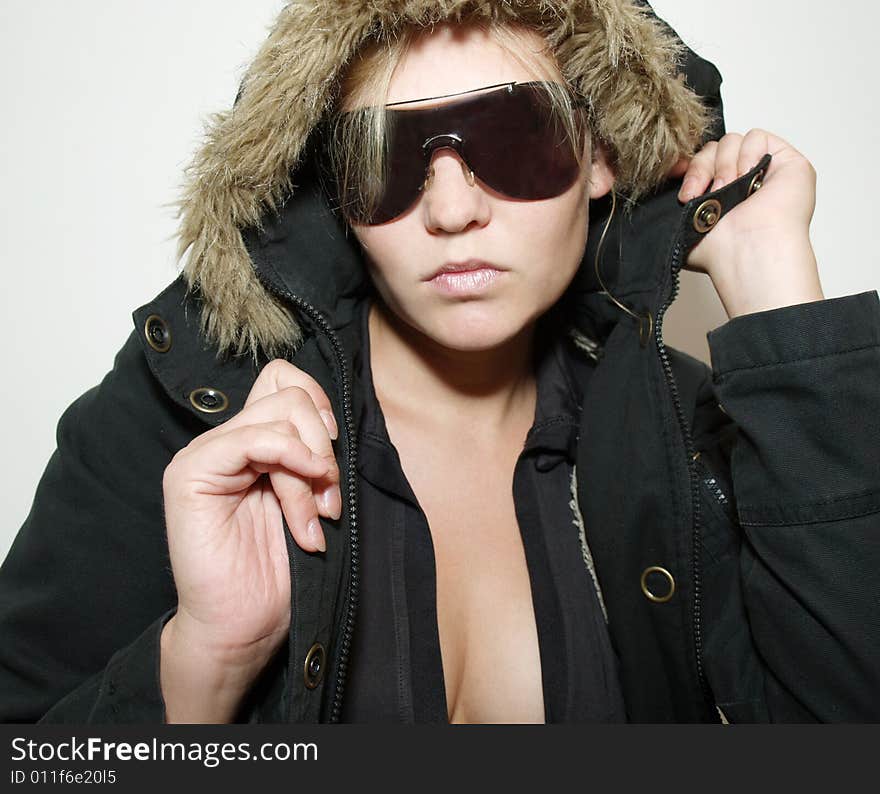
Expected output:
(464, 267)
(469, 280)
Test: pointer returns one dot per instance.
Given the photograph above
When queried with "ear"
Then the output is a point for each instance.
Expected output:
(601, 171)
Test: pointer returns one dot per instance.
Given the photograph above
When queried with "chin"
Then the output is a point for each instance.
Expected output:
(475, 325)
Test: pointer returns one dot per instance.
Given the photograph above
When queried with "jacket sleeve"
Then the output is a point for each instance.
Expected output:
(801, 387)
(87, 586)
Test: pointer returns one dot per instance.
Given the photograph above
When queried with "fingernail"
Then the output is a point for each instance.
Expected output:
(688, 191)
(334, 499)
(330, 423)
(316, 535)
(331, 502)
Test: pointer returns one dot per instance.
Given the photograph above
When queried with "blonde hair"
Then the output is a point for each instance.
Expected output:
(355, 150)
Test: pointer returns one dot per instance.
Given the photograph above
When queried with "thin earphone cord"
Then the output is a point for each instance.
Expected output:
(605, 290)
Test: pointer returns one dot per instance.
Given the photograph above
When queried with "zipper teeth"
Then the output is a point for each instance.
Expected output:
(717, 492)
(712, 484)
(696, 569)
(354, 570)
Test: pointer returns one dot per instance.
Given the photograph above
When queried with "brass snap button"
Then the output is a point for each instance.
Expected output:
(707, 215)
(209, 401)
(158, 334)
(657, 573)
(757, 182)
(313, 669)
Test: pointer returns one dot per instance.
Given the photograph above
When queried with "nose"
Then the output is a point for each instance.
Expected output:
(452, 200)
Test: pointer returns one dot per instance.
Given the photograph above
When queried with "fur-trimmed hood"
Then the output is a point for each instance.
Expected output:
(647, 102)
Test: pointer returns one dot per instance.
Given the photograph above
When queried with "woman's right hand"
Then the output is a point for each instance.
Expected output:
(225, 496)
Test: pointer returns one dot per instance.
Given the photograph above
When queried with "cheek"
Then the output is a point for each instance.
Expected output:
(381, 247)
(557, 237)
(390, 264)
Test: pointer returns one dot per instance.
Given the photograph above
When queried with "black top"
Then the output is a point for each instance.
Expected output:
(396, 669)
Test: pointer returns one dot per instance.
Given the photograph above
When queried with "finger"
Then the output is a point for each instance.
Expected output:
(726, 159)
(292, 404)
(233, 461)
(298, 407)
(295, 404)
(680, 168)
(754, 146)
(217, 467)
(700, 172)
(300, 510)
(280, 374)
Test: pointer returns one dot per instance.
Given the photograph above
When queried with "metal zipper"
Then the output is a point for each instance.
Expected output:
(696, 569)
(348, 425)
(712, 485)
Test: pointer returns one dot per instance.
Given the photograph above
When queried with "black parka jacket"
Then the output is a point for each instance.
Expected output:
(732, 512)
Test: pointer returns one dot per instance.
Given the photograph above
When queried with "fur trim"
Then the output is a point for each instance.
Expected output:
(614, 51)
(578, 521)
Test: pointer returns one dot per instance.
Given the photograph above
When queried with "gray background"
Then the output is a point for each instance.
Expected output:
(104, 103)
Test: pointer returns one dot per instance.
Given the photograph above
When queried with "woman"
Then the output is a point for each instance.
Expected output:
(657, 558)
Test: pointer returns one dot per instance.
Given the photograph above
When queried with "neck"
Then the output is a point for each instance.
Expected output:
(483, 391)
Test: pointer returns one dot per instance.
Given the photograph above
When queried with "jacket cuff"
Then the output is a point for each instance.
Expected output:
(130, 689)
(802, 383)
(792, 333)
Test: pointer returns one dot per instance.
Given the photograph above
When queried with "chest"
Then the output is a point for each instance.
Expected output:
(485, 614)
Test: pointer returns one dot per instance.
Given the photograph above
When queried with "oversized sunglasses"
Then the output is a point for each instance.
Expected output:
(509, 135)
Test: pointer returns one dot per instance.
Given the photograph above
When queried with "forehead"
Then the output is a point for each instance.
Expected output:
(453, 58)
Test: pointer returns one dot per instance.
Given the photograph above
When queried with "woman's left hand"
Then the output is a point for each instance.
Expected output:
(759, 255)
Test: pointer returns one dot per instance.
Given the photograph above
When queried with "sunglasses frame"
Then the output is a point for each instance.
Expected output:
(453, 140)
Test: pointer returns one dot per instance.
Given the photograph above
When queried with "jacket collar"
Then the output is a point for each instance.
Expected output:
(644, 249)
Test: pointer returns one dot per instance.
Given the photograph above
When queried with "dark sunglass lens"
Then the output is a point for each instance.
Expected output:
(513, 139)
(405, 169)
(520, 147)
(353, 189)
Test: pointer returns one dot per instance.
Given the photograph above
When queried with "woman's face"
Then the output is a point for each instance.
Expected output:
(537, 245)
